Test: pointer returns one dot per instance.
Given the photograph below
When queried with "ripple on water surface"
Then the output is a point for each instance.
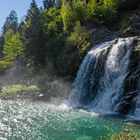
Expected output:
(25, 120)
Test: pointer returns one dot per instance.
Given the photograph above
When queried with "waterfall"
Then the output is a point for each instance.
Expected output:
(99, 84)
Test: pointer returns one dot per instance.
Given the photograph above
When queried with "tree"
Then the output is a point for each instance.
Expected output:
(68, 16)
(1, 46)
(52, 23)
(11, 22)
(92, 6)
(76, 47)
(81, 10)
(13, 46)
(48, 3)
(34, 41)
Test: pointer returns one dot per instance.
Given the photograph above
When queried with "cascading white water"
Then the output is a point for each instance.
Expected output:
(111, 82)
(86, 72)
(100, 79)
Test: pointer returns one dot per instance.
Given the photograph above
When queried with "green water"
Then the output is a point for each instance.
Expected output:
(26, 120)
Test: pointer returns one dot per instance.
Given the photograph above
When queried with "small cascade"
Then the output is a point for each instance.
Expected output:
(101, 80)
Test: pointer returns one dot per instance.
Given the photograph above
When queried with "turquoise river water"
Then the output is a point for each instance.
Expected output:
(26, 120)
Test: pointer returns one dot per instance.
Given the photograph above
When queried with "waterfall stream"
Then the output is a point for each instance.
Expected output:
(102, 75)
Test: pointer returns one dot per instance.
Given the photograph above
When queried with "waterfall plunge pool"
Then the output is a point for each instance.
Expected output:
(27, 120)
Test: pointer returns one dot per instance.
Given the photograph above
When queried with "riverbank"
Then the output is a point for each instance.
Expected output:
(36, 91)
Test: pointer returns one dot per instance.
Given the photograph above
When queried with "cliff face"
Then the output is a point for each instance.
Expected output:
(128, 100)
(133, 79)
(134, 25)
(131, 83)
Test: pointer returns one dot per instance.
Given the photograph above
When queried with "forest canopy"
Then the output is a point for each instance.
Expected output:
(57, 36)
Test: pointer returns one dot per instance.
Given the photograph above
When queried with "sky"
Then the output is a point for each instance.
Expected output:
(20, 6)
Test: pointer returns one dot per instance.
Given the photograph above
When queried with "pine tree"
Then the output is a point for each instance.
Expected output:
(48, 3)
(34, 35)
(11, 22)
(13, 46)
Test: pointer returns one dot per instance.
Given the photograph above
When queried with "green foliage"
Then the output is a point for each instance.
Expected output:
(104, 10)
(12, 46)
(33, 36)
(92, 6)
(68, 16)
(10, 23)
(79, 38)
(81, 11)
(11, 42)
(72, 12)
(4, 64)
(59, 33)
(17, 89)
(76, 47)
(52, 22)
(109, 8)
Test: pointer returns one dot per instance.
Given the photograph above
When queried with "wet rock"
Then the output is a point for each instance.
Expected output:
(134, 26)
(102, 34)
(132, 80)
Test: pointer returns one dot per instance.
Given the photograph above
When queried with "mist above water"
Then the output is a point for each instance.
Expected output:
(51, 88)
